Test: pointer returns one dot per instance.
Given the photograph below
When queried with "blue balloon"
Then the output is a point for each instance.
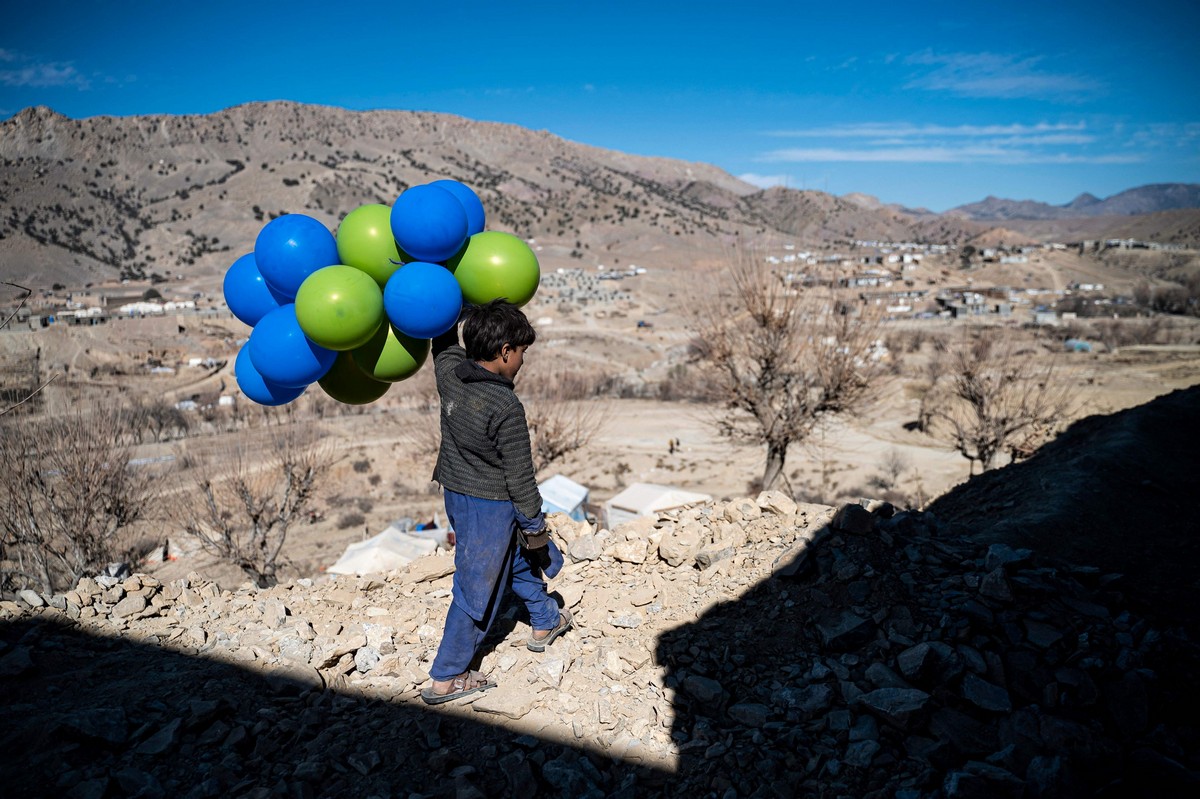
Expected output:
(422, 300)
(291, 247)
(258, 388)
(470, 203)
(247, 293)
(281, 352)
(429, 223)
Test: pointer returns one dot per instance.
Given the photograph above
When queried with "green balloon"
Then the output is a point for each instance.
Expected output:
(390, 355)
(339, 307)
(364, 241)
(496, 265)
(345, 382)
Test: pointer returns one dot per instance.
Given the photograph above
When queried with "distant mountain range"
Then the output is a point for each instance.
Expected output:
(1141, 200)
(106, 197)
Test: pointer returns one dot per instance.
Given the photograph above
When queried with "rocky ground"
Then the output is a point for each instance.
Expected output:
(747, 648)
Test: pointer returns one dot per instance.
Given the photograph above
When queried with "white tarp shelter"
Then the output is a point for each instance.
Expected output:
(563, 495)
(644, 499)
(391, 549)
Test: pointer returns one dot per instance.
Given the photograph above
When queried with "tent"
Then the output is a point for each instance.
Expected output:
(563, 495)
(390, 550)
(645, 499)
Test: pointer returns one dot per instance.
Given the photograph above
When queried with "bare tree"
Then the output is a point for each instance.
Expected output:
(558, 427)
(245, 508)
(68, 489)
(31, 392)
(784, 357)
(996, 397)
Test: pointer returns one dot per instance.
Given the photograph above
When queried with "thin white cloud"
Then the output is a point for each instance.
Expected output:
(912, 130)
(997, 75)
(1044, 142)
(942, 155)
(765, 181)
(44, 75)
(7, 55)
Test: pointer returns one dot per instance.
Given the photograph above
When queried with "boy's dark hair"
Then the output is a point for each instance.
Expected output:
(489, 327)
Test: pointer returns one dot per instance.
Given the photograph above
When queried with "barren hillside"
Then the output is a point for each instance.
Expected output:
(83, 200)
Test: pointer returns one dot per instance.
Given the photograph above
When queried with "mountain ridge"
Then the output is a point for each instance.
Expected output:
(1147, 199)
(86, 200)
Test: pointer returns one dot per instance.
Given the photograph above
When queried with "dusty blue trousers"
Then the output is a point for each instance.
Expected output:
(486, 560)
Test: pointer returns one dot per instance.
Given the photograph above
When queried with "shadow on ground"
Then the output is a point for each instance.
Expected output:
(103, 717)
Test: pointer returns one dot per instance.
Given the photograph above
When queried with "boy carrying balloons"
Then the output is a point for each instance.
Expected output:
(485, 468)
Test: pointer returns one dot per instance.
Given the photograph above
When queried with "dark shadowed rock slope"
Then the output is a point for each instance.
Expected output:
(1116, 492)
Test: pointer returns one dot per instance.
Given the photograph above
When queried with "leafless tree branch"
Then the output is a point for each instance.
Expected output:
(784, 356)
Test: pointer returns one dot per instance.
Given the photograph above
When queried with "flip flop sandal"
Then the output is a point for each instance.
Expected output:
(565, 622)
(465, 684)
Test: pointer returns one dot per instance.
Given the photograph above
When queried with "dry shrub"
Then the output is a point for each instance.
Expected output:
(69, 491)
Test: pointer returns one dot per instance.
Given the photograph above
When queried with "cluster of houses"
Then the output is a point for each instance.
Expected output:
(882, 278)
(97, 305)
(583, 288)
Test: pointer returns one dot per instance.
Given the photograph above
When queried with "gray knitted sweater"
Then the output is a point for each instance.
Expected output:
(485, 449)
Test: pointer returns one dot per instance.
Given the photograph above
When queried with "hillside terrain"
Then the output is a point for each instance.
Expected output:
(1029, 634)
(749, 647)
(88, 200)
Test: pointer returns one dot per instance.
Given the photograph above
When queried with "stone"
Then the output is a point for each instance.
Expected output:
(585, 547)
(135, 782)
(680, 544)
(550, 671)
(1041, 635)
(776, 502)
(853, 518)
(107, 725)
(366, 658)
(812, 700)
(1001, 555)
(31, 598)
(380, 636)
(865, 728)
(994, 585)
(628, 621)
(513, 704)
(129, 606)
(705, 690)
(985, 695)
(706, 558)
(742, 510)
(978, 780)
(16, 662)
(291, 678)
(274, 614)
(428, 568)
(894, 705)
(861, 754)
(643, 596)
(295, 648)
(882, 677)
(161, 741)
(965, 734)
(629, 551)
(750, 714)
(844, 630)
(364, 762)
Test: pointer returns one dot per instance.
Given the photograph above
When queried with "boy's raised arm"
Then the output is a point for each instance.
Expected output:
(445, 341)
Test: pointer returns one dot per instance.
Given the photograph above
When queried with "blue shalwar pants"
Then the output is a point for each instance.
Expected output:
(486, 560)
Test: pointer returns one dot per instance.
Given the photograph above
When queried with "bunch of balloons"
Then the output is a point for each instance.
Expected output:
(355, 312)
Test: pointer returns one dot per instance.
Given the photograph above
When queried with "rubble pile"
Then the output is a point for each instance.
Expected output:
(755, 647)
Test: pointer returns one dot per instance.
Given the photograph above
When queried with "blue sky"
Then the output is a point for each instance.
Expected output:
(925, 104)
